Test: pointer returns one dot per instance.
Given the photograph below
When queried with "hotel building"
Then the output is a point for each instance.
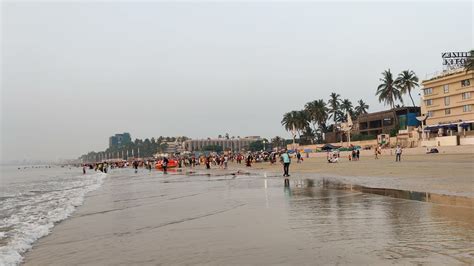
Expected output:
(226, 144)
(448, 99)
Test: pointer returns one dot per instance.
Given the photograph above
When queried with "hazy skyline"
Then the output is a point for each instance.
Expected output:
(74, 74)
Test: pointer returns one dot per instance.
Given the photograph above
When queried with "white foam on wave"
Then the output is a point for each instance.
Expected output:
(36, 218)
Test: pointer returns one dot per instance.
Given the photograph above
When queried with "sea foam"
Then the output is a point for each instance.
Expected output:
(32, 216)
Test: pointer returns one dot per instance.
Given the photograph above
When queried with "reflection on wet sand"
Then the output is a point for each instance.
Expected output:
(248, 219)
(398, 230)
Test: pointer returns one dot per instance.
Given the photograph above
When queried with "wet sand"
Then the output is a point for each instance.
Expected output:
(444, 173)
(149, 219)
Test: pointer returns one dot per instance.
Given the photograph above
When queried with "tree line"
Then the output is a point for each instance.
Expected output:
(319, 117)
(137, 148)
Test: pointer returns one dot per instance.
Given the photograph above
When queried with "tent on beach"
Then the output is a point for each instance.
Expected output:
(328, 147)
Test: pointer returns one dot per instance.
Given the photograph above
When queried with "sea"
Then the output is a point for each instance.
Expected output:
(35, 198)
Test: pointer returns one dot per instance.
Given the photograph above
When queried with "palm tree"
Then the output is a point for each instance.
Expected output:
(407, 81)
(334, 103)
(346, 106)
(361, 108)
(388, 91)
(317, 113)
(276, 142)
(297, 120)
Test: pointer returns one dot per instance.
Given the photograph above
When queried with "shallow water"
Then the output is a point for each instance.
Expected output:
(150, 218)
(33, 199)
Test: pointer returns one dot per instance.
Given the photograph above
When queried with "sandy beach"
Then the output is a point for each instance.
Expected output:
(218, 218)
(449, 172)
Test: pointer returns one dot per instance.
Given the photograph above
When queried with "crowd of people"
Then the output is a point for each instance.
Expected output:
(221, 161)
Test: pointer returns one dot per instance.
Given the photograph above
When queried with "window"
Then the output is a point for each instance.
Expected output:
(466, 95)
(429, 114)
(428, 91)
(446, 100)
(387, 121)
(467, 108)
(447, 111)
(429, 102)
(446, 88)
(465, 83)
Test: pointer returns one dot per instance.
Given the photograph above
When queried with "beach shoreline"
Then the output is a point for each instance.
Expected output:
(450, 172)
(148, 218)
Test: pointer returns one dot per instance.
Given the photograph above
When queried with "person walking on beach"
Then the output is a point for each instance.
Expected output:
(249, 160)
(164, 164)
(286, 160)
(84, 169)
(398, 154)
(298, 157)
(135, 166)
(226, 161)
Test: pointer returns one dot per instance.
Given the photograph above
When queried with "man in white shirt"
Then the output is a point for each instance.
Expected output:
(398, 153)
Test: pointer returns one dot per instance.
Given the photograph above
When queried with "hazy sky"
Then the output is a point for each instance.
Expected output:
(75, 73)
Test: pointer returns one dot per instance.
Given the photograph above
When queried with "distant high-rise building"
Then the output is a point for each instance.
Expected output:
(119, 140)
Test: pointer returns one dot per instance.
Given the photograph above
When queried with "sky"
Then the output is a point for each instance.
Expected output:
(73, 74)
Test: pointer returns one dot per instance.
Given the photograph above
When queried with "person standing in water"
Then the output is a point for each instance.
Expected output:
(286, 160)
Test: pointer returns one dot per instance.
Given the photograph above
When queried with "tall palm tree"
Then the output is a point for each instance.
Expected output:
(361, 108)
(406, 82)
(346, 106)
(317, 113)
(387, 91)
(334, 103)
(297, 120)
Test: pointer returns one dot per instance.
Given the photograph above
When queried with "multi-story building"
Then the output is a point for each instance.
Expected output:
(448, 99)
(401, 118)
(236, 144)
(119, 139)
(174, 147)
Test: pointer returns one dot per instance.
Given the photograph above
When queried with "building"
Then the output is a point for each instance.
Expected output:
(384, 122)
(119, 140)
(447, 101)
(233, 144)
(174, 147)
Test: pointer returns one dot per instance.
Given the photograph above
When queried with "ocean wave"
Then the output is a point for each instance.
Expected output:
(38, 214)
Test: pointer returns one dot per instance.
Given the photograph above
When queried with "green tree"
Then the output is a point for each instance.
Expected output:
(346, 106)
(277, 142)
(387, 91)
(256, 145)
(406, 82)
(334, 103)
(361, 108)
(297, 120)
(317, 113)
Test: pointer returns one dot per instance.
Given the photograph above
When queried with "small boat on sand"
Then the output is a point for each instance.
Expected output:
(171, 164)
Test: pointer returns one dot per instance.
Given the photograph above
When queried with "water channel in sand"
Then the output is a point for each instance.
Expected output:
(150, 218)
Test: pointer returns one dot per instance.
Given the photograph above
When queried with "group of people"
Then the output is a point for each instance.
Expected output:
(222, 160)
